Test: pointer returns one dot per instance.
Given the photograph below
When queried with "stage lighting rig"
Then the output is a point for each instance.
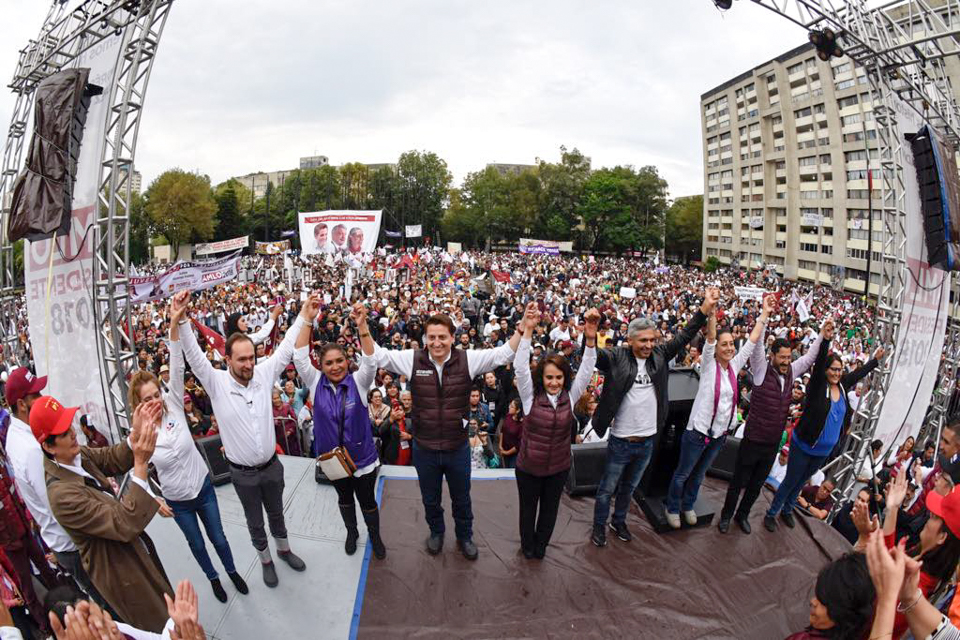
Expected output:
(825, 41)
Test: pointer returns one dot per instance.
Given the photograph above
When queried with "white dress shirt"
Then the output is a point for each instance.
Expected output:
(77, 468)
(179, 465)
(479, 361)
(26, 458)
(244, 412)
(525, 381)
(264, 333)
(702, 418)
(759, 364)
(363, 378)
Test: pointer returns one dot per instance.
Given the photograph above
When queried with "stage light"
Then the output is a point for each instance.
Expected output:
(723, 5)
(826, 43)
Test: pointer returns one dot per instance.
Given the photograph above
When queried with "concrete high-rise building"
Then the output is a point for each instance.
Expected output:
(314, 162)
(510, 169)
(786, 148)
(257, 182)
(136, 182)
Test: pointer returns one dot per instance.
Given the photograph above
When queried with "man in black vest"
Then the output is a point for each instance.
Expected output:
(634, 400)
(440, 381)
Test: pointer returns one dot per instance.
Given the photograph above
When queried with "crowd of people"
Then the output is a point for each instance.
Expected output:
(455, 362)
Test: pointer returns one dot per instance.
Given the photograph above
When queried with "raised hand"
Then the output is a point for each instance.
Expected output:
(358, 313)
(828, 328)
(184, 611)
(896, 491)
(591, 321)
(886, 567)
(276, 311)
(878, 354)
(179, 306)
(769, 305)
(311, 308)
(143, 440)
(531, 317)
(860, 514)
(146, 412)
(710, 299)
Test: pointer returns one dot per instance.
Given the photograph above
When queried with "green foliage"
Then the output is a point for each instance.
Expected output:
(231, 222)
(140, 229)
(684, 236)
(712, 264)
(180, 206)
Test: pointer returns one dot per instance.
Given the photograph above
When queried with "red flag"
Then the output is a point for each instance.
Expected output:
(500, 276)
(211, 337)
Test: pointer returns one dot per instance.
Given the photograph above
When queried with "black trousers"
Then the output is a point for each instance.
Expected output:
(258, 491)
(752, 468)
(361, 487)
(543, 492)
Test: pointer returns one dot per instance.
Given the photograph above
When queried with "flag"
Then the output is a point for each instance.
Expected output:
(392, 234)
(211, 337)
(500, 276)
(288, 234)
(414, 230)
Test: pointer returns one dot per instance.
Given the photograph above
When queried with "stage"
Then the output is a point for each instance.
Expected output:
(688, 584)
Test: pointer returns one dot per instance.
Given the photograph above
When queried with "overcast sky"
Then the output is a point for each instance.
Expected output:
(247, 86)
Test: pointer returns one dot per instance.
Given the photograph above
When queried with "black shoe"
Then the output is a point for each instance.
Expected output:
(599, 536)
(435, 543)
(788, 519)
(270, 574)
(540, 551)
(527, 553)
(350, 545)
(239, 583)
(744, 524)
(468, 549)
(770, 523)
(218, 590)
(622, 532)
(293, 560)
(372, 519)
(724, 525)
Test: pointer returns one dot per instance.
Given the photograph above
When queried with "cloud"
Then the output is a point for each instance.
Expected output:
(241, 87)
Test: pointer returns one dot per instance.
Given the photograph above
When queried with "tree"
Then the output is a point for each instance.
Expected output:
(421, 190)
(684, 236)
(461, 223)
(650, 207)
(230, 219)
(606, 209)
(180, 206)
(140, 230)
(561, 189)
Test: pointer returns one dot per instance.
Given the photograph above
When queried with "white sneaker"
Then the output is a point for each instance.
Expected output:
(690, 517)
(673, 519)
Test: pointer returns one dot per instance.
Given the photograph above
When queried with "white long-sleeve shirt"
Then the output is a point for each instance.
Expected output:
(179, 465)
(26, 458)
(363, 378)
(759, 366)
(244, 412)
(479, 361)
(525, 379)
(702, 418)
(264, 333)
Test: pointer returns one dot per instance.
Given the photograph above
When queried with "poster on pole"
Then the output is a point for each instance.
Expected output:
(272, 248)
(414, 230)
(222, 246)
(749, 293)
(348, 232)
(59, 308)
(924, 312)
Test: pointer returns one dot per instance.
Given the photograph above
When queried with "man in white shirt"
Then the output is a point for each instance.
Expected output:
(560, 332)
(26, 459)
(242, 402)
(440, 382)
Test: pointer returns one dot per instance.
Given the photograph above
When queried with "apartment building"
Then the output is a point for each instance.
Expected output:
(787, 147)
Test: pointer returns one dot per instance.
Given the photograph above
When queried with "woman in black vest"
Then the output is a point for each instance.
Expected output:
(549, 428)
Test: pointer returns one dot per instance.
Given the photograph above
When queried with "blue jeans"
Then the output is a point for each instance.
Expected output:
(697, 453)
(800, 467)
(626, 462)
(205, 506)
(432, 465)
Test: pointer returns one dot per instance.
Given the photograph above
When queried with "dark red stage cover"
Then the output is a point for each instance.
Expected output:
(688, 584)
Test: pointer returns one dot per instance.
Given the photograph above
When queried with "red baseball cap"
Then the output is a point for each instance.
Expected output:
(48, 417)
(22, 383)
(946, 507)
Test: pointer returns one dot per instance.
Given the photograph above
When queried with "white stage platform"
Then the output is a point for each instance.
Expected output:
(322, 602)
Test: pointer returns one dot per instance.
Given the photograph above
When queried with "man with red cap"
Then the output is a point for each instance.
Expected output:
(108, 530)
(26, 462)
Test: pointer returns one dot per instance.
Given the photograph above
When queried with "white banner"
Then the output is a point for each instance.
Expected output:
(222, 246)
(756, 222)
(749, 293)
(339, 231)
(923, 323)
(183, 276)
(59, 310)
(811, 220)
(628, 292)
(414, 230)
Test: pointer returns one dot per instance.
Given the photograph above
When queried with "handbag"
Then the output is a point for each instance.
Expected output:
(337, 464)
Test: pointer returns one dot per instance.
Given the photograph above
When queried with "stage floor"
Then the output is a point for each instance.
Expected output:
(687, 584)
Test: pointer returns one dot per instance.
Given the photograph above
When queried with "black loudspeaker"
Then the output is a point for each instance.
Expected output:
(940, 196)
(726, 461)
(212, 450)
(586, 470)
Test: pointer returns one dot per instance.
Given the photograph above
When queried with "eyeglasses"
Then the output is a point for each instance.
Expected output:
(836, 369)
